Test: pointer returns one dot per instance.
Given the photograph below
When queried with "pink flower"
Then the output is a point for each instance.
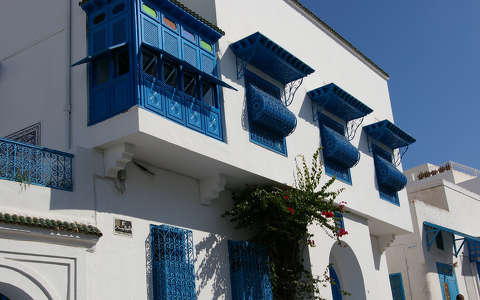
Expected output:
(342, 232)
(311, 243)
(327, 214)
(286, 197)
(291, 210)
(341, 207)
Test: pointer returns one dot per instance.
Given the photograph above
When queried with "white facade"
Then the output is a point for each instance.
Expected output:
(448, 199)
(193, 175)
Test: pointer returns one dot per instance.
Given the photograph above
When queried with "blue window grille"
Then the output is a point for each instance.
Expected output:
(473, 250)
(338, 154)
(389, 179)
(172, 263)
(131, 44)
(35, 165)
(335, 284)
(249, 271)
(396, 284)
(268, 119)
(339, 224)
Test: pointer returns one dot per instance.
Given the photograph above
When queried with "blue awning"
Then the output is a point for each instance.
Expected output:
(432, 230)
(388, 134)
(98, 55)
(186, 65)
(270, 58)
(338, 102)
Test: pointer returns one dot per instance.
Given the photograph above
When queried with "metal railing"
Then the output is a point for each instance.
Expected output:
(464, 169)
(30, 164)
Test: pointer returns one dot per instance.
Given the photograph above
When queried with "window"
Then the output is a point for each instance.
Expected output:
(169, 23)
(383, 160)
(206, 46)
(99, 18)
(149, 62)
(209, 93)
(170, 71)
(189, 83)
(439, 241)
(149, 11)
(101, 71)
(122, 62)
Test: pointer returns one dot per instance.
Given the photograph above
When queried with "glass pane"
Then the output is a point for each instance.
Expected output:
(209, 93)
(189, 84)
(149, 11)
(188, 35)
(170, 71)
(170, 23)
(206, 46)
(101, 71)
(99, 18)
(122, 62)
(149, 62)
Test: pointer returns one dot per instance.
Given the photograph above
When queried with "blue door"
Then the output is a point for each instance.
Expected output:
(397, 286)
(335, 284)
(448, 281)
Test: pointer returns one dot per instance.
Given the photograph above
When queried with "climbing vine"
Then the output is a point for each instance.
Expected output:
(278, 217)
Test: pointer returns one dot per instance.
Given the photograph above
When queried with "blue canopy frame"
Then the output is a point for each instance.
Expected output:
(389, 134)
(434, 230)
(95, 56)
(338, 102)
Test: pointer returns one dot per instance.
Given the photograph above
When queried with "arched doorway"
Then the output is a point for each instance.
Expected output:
(10, 292)
(345, 270)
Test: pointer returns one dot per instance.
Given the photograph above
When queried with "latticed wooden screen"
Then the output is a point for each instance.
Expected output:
(172, 263)
(249, 271)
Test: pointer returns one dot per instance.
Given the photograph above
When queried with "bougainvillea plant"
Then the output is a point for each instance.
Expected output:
(278, 217)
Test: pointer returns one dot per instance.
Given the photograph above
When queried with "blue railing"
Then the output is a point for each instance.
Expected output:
(35, 165)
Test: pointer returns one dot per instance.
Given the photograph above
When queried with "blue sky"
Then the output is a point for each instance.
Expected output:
(430, 49)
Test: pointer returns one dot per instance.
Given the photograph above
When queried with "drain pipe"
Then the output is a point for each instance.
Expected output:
(68, 78)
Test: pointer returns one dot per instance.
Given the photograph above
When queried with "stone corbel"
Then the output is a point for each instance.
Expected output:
(384, 241)
(116, 159)
(211, 187)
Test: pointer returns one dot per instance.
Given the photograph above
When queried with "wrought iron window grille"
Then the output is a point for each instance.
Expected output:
(30, 135)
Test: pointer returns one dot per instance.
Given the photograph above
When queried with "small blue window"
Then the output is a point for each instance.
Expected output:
(188, 35)
(249, 271)
(172, 263)
(339, 224)
(396, 285)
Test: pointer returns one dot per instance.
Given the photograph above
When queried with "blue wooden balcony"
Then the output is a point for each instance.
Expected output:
(35, 165)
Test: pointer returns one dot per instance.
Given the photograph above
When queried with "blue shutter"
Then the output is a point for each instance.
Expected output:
(194, 114)
(150, 32)
(207, 63)
(172, 263)
(249, 271)
(335, 284)
(122, 97)
(190, 54)
(171, 43)
(99, 104)
(397, 286)
(213, 123)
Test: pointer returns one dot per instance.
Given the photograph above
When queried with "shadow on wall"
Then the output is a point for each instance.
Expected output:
(211, 259)
(348, 270)
(306, 112)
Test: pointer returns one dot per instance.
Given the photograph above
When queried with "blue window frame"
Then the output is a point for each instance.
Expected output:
(249, 271)
(385, 171)
(172, 263)
(396, 284)
(335, 284)
(268, 119)
(339, 154)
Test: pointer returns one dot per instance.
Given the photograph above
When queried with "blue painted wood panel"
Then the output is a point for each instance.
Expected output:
(396, 284)
(448, 281)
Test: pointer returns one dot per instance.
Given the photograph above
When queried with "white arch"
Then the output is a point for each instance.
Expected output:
(26, 279)
(348, 271)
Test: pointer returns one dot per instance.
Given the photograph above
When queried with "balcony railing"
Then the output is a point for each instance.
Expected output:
(35, 165)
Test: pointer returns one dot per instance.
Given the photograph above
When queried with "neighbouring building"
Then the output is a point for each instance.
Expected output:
(129, 123)
(441, 258)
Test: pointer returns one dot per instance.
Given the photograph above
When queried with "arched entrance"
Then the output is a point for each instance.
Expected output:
(345, 270)
(10, 292)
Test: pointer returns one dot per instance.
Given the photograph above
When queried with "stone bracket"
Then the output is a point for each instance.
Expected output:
(116, 159)
(384, 241)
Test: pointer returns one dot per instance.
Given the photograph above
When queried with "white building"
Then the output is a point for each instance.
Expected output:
(156, 137)
(441, 257)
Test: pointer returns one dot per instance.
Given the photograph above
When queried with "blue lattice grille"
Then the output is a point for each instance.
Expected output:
(150, 33)
(170, 43)
(35, 165)
(249, 271)
(208, 64)
(190, 54)
(473, 250)
(172, 263)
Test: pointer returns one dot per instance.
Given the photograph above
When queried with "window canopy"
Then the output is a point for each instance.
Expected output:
(338, 102)
(269, 57)
(432, 230)
(389, 134)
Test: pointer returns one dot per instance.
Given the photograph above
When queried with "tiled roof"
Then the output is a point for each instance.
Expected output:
(50, 224)
(189, 11)
(337, 35)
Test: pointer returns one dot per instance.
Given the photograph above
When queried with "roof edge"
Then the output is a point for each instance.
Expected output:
(330, 31)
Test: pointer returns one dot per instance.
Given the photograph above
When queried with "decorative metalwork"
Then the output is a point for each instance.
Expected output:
(290, 90)
(269, 112)
(352, 127)
(29, 135)
(338, 149)
(35, 165)
(398, 156)
(249, 271)
(172, 263)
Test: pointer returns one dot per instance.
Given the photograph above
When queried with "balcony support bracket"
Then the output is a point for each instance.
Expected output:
(116, 159)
